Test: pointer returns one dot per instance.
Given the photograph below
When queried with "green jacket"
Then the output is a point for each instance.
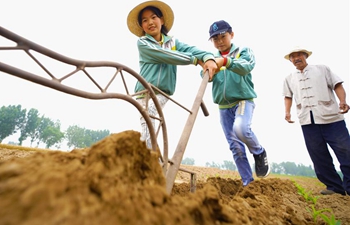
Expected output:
(234, 82)
(158, 63)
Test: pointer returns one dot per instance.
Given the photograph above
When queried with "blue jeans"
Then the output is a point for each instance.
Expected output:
(235, 123)
(317, 138)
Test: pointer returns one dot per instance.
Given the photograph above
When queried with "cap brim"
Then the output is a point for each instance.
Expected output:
(218, 32)
(132, 19)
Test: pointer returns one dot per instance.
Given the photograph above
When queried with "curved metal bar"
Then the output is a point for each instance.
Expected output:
(55, 83)
(169, 171)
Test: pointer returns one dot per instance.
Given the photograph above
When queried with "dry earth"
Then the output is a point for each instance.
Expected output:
(119, 181)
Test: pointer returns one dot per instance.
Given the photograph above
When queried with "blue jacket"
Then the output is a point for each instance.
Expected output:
(234, 82)
(158, 63)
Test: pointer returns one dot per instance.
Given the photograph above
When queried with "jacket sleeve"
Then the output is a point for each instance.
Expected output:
(193, 50)
(242, 65)
(153, 53)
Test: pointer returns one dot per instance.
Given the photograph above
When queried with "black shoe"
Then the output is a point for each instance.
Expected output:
(262, 168)
(327, 192)
(330, 192)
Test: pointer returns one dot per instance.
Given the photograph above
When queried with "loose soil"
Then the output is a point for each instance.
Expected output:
(119, 181)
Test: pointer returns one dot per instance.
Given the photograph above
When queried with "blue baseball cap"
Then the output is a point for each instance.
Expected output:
(219, 27)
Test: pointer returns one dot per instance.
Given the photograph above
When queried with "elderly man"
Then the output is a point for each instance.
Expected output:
(314, 89)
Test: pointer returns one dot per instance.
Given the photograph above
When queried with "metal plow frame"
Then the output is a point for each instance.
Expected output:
(170, 167)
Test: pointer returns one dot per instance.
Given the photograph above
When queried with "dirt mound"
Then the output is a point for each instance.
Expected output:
(119, 181)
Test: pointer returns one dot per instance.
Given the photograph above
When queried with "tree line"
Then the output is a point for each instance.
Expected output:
(287, 168)
(40, 129)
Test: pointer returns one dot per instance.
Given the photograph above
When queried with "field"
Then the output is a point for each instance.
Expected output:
(119, 181)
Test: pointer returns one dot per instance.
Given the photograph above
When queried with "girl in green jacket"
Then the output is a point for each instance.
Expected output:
(159, 54)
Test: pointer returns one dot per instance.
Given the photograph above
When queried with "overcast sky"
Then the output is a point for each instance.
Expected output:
(97, 31)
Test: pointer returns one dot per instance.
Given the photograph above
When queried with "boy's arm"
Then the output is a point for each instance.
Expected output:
(242, 65)
(220, 62)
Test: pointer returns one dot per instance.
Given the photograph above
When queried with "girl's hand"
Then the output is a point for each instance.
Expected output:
(211, 66)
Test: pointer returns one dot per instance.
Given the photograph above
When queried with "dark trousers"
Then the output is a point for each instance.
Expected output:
(317, 139)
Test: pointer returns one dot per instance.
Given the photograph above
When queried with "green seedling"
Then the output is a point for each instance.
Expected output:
(306, 194)
(315, 212)
(330, 220)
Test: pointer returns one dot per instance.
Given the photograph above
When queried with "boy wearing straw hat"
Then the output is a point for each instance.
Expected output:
(159, 54)
(321, 118)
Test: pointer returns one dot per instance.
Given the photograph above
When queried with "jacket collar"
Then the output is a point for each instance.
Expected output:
(166, 38)
(232, 50)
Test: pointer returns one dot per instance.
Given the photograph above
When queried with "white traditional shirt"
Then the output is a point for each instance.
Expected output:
(313, 90)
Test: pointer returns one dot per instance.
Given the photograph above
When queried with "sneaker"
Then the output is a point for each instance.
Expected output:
(262, 168)
(327, 192)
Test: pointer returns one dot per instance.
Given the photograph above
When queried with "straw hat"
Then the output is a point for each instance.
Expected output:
(298, 49)
(133, 23)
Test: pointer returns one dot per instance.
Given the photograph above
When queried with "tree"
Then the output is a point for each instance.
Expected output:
(11, 118)
(276, 168)
(31, 123)
(91, 136)
(188, 161)
(290, 168)
(99, 135)
(75, 136)
(229, 165)
(306, 171)
(212, 164)
(44, 130)
(34, 135)
(52, 134)
(80, 137)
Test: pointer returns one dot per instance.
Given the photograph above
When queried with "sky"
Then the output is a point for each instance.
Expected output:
(97, 31)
